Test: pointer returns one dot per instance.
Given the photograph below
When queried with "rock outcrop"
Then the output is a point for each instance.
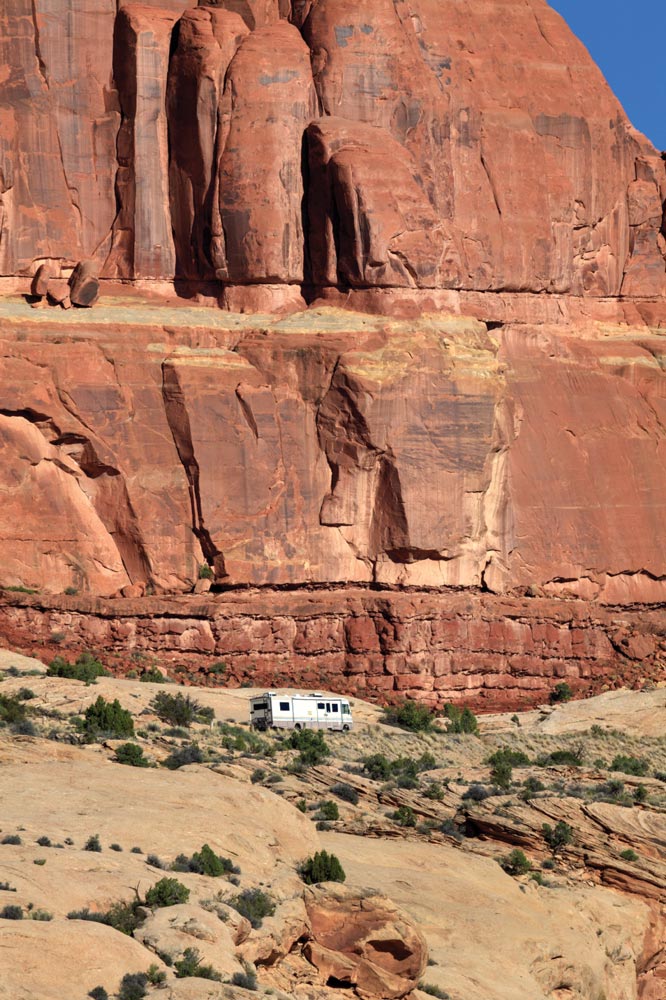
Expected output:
(324, 145)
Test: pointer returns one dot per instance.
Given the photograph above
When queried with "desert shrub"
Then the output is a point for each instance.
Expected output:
(156, 976)
(189, 754)
(377, 767)
(155, 862)
(135, 850)
(25, 694)
(629, 855)
(11, 912)
(93, 844)
(501, 774)
(42, 915)
(258, 775)
(11, 838)
(115, 847)
(612, 789)
(167, 892)
(123, 917)
(180, 710)
(107, 719)
(254, 904)
(87, 668)
(207, 862)
(190, 965)
(561, 693)
(403, 816)
(206, 572)
(640, 794)
(313, 748)
(247, 979)
(98, 993)
(433, 991)
(515, 863)
(660, 775)
(434, 791)
(460, 720)
(345, 792)
(572, 758)
(302, 806)
(153, 676)
(558, 837)
(637, 766)
(24, 728)
(410, 715)
(516, 758)
(85, 914)
(322, 867)
(328, 810)
(531, 786)
(6, 887)
(450, 829)
(43, 841)
(39, 861)
(12, 709)
(133, 986)
(131, 754)
(477, 793)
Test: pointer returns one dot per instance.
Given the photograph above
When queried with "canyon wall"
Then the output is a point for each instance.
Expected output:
(323, 145)
(485, 651)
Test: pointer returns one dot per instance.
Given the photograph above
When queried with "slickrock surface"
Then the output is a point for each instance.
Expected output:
(421, 904)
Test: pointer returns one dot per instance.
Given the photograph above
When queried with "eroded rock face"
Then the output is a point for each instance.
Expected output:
(363, 942)
(328, 144)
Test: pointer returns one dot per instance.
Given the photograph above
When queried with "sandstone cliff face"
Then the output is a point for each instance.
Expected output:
(430, 454)
(323, 144)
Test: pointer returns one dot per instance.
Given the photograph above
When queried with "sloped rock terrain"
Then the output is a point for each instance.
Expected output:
(424, 901)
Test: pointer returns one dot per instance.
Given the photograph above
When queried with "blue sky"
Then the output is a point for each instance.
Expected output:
(626, 39)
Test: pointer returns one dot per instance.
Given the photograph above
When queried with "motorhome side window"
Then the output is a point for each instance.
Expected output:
(320, 704)
(346, 710)
(284, 706)
(334, 707)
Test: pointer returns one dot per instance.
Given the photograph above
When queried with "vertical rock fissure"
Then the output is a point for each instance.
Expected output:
(179, 424)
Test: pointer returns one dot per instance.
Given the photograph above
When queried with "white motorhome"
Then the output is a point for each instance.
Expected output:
(300, 711)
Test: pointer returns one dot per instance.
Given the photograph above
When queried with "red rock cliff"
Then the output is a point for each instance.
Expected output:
(323, 144)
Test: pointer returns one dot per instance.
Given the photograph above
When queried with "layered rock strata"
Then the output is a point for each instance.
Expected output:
(492, 653)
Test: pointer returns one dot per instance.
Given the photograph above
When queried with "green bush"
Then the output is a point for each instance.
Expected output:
(328, 810)
(190, 754)
(561, 693)
(322, 867)
(515, 863)
(180, 710)
(254, 905)
(501, 774)
(206, 572)
(131, 754)
(207, 862)
(404, 816)
(637, 766)
(258, 775)
(516, 758)
(98, 993)
(167, 892)
(190, 965)
(12, 709)
(312, 746)
(629, 855)
(153, 676)
(434, 791)
(107, 719)
(246, 980)
(345, 792)
(93, 844)
(433, 991)
(571, 758)
(11, 912)
(87, 668)
(121, 916)
(377, 767)
(410, 715)
(133, 986)
(460, 720)
(640, 794)
(559, 837)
